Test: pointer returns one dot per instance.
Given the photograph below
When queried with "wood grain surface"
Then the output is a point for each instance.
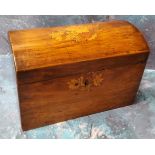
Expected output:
(60, 99)
(72, 71)
(38, 48)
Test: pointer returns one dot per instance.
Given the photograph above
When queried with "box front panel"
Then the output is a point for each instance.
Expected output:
(51, 101)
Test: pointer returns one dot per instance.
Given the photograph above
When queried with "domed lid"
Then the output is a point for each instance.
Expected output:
(65, 45)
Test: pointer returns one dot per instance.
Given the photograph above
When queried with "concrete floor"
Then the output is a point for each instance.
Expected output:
(135, 121)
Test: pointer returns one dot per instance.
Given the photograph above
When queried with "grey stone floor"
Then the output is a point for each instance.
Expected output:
(135, 121)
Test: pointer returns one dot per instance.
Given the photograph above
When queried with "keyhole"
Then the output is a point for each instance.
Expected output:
(86, 83)
(76, 84)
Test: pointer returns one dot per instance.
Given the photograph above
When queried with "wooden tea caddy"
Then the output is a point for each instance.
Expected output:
(71, 71)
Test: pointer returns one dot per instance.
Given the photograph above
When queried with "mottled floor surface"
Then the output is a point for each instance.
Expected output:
(135, 121)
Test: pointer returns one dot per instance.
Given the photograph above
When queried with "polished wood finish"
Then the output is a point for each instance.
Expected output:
(56, 100)
(38, 48)
(72, 71)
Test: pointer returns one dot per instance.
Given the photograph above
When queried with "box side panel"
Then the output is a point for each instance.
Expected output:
(60, 99)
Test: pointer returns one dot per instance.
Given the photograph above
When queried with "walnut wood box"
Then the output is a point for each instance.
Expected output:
(72, 71)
